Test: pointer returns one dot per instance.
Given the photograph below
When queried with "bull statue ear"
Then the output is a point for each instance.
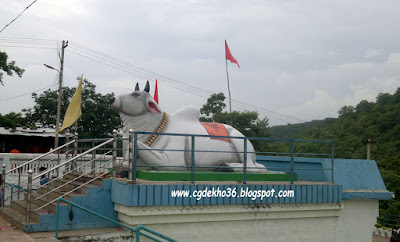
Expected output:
(153, 106)
(147, 88)
(137, 87)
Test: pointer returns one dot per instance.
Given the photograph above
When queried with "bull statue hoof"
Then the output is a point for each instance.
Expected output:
(141, 113)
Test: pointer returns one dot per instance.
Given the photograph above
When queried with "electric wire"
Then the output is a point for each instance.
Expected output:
(17, 16)
(121, 65)
(6, 99)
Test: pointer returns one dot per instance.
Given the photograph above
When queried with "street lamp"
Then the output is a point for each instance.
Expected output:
(58, 104)
(50, 67)
(64, 45)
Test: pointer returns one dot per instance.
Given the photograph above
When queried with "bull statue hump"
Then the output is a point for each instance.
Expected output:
(140, 112)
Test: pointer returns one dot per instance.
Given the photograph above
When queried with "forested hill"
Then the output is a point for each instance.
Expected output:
(295, 130)
(379, 121)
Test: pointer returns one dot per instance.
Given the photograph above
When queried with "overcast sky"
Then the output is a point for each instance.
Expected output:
(301, 59)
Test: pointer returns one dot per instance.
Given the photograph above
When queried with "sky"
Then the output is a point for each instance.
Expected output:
(299, 60)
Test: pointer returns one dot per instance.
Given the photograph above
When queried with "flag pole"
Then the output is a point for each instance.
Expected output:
(229, 92)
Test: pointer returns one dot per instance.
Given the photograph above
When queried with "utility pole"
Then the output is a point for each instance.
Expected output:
(369, 143)
(63, 46)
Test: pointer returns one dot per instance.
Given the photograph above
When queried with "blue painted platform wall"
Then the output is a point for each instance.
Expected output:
(160, 195)
(360, 178)
(98, 199)
(353, 179)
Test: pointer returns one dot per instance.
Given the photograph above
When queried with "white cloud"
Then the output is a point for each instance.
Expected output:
(372, 54)
(304, 59)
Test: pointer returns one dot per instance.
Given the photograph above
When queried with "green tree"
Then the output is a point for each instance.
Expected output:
(8, 68)
(97, 120)
(12, 120)
(215, 104)
(248, 123)
(379, 121)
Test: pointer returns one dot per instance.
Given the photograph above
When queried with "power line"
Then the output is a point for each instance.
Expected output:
(27, 93)
(136, 70)
(122, 65)
(17, 16)
(28, 47)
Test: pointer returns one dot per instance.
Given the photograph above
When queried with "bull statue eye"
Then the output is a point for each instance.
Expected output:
(135, 94)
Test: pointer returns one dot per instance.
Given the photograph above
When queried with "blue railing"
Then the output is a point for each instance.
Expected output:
(192, 167)
(137, 230)
(12, 189)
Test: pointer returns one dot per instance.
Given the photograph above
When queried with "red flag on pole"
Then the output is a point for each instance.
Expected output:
(156, 93)
(229, 56)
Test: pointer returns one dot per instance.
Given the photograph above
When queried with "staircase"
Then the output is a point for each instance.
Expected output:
(43, 219)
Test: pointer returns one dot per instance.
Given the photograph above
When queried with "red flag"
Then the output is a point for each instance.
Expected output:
(229, 56)
(156, 93)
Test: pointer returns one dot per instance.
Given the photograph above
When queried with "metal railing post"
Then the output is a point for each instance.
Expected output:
(114, 160)
(193, 165)
(19, 181)
(130, 150)
(28, 199)
(48, 191)
(93, 162)
(135, 151)
(3, 184)
(75, 164)
(66, 151)
(58, 162)
(244, 161)
(333, 162)
(291, 161)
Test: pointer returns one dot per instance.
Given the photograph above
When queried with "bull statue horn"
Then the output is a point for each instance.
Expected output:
(147, 87)
(137, 87)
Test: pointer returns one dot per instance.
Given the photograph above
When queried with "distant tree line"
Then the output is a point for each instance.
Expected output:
(379, 121)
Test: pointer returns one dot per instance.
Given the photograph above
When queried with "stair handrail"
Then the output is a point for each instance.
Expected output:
(39, 157)
(12, 190)
(31, 178)
(66, 173)
(74, 158)
(66, 183)
(71, 191)
(137, 230)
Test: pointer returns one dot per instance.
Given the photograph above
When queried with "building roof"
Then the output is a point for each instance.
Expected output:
(42, 132)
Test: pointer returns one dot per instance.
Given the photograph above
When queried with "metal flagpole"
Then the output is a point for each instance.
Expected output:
(229, 91)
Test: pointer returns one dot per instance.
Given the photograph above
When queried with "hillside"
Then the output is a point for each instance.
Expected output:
(379, 121)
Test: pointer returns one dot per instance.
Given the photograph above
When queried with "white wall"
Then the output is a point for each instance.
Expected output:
(352, 220)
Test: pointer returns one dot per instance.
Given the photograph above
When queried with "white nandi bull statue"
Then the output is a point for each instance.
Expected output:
(140, 112)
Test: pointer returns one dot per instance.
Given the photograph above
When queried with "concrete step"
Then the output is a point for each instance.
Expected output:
(71, 185)
(20, 207)
(83, 179)
(56, 194)
(42, 201)
(14, 217)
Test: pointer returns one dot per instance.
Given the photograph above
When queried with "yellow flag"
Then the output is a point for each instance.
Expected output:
(74, 110)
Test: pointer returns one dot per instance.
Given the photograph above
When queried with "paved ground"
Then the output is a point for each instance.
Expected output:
(376, 238)
(12, 233)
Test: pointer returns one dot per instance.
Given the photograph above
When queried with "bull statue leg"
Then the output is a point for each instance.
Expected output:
(252, 165)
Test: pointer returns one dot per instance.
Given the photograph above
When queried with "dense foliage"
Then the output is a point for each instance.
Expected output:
(379, 121)
(248, 123)
(97, 120)
(8, 67)
(12, 120)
